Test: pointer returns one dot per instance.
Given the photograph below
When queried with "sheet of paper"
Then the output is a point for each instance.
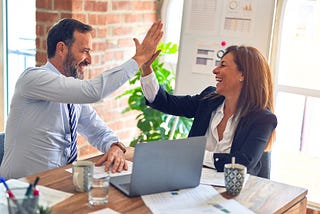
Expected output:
(212, 177)
(202, 199)
(99, 172)
(48, 197)
(105, 211)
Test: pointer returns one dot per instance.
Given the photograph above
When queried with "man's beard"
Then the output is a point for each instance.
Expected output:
(71, 68)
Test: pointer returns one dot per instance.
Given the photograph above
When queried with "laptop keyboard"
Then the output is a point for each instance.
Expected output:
(125, 186)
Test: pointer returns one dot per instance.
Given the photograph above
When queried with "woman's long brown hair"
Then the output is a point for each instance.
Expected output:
(257, 90)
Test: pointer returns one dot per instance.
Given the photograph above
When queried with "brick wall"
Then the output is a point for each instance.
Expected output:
(115, 23)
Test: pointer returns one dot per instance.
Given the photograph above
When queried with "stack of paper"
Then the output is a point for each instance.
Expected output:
(210, 176)
(202, 199)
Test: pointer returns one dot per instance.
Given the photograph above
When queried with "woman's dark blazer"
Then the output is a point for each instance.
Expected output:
(251, 135)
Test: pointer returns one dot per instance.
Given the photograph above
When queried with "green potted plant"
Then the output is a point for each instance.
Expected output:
(154, 125)
(43, 210)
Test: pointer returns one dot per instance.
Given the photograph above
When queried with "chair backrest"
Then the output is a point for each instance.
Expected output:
(1, 146)
(266, 165)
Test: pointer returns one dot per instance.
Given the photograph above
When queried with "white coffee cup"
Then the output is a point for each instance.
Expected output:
(82, 173)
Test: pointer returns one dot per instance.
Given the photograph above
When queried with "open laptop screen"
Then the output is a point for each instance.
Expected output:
(165, 165)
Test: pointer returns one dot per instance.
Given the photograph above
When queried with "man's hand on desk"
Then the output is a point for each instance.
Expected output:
(115, 157)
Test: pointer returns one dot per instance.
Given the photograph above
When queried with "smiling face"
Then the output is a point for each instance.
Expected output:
(78, 55)
(229, 79)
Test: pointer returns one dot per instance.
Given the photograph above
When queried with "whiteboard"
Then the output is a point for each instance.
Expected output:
(208, 27)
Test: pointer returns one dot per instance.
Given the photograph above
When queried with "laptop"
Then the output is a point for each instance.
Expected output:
(162, 166)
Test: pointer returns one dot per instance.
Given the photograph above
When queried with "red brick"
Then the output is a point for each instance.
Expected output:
(118, 55)
(101, 32)
(129, 18)
(96, 6)
(111, 44)
(46, 16)
(44, 4)
(149, 17)
(125, 43)
(113, 18)
(97, 19)
(40, 30)
(120, 31)
(77, 5)
(108, 55)
(143, 5)
(41, 58)
(78, 16)
(122, 5)
(62, 5)
(94, 59)
(65, 14)
(101, 46)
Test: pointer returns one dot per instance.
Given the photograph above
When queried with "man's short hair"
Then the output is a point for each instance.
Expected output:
(63, 32)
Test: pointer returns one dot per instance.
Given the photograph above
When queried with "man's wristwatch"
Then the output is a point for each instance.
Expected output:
(120, 145)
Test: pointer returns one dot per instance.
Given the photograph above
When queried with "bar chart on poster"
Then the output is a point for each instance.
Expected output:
(208, 27)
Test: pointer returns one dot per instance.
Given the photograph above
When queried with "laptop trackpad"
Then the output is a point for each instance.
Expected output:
(121, 182)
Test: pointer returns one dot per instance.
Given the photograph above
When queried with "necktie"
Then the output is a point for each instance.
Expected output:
(73, 131)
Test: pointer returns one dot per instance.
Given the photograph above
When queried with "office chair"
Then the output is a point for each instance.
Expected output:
(266, 165)
(1, 146)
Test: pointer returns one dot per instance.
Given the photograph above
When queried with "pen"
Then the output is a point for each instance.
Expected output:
(27, 196)
(30, 203)
(35, 190)
(31, 187)
(10, 194)
(36, 182)
(29, 190)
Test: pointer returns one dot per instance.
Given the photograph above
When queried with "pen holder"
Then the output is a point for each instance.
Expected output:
(20, 203)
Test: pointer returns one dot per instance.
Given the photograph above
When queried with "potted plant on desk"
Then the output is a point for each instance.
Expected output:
(43, 210)
(153, 124)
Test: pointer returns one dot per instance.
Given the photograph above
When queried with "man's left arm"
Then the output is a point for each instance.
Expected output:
(99, 135)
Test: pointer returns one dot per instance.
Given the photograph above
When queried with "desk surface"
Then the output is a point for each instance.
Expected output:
(260, 195)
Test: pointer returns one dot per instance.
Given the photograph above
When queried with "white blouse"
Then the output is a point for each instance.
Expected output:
(213, 143)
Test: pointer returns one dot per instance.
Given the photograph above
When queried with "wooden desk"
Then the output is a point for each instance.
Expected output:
(260, 195)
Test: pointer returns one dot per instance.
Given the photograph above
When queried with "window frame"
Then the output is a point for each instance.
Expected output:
(282, 88)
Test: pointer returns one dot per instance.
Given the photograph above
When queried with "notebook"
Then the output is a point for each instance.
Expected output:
(161, 166)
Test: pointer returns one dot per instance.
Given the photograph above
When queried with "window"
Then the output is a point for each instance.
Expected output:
(2, 66)
(296, 156)
(172, 18)
(17, 47)
(21, 40)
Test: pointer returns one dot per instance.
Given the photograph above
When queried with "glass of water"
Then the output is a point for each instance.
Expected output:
(98, 193)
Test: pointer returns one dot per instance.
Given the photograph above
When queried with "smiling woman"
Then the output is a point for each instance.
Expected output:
(236, 116)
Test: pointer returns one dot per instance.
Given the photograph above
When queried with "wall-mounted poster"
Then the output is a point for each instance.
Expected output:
(208, 27)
